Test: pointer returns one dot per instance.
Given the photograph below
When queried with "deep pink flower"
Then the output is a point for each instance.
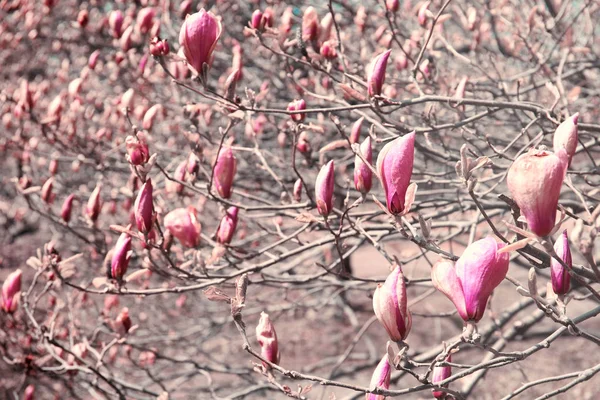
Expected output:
(324, 189)
(565, 136)
(472, 280)
(183, 224)
(390, 306)
(121, 256)
(297, 105)
(363, 176)
(144, 208)
(561, 280)
(534, 180)
(10, 292)
(395, 165)
(267, 339)
(380, 378)
(439, 374)
(198, 37)
(224, 172)
(115, 22)
(227, 226)
(376, 73)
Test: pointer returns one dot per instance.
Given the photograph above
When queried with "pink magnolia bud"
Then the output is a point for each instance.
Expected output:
(325, 26)
(303, 145)
(394, 166)
(401, 62)
(123, 323)
(392, 5)
(93, 60)
(120, 257)
(144, 19)
(94, 204)
(198, 37)
(67, 206)
(376, 73)
(185, 7)
(471, 18)
(137, 149)
(159, 47)
(422, 13)
(256, 22)
(355, 134)
(298, 190)
(29, 393)
(534, 180)
(328, 50)
(10, 292)
(125, 41)
(150, 116)
(144, 208)
(439, 374)
(46, 194)
(226, 228)
(55, 108)
(83, 18)
(380, 379)
(561, 280)
(470, 282)
(115, 23)
(324, 189)
(297, 105)
(390, 306)
(224, 172)
(565, 136)
(360, 19)
(268, 18)
(267, 339)
(287, 20)
(173, 186)
(183, 224)
(310, 25)
(193, 164)
(363, 176)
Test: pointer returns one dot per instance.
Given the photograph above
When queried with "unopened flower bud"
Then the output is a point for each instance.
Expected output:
(395, 165)
(267, 339)
(310, 25)
(392, 5)
(376, 74)
(10, 292)
(561, 279)
(390, 306)
(439, 374)
(67, 206)
(363, 176)
(198, 37)
(137, 149)
(297, 105)
(83, 18)
(298, 190)
(115, 23)
(356, 128)
(120, 257)
(29, 393)
(144, 20)
(324, 186)
(123, 323)
(94, 204)
(224, 172)
(46, 194)
(565, 136)
(144, 208)
(227, 226)
(380, 378)
(183, 224)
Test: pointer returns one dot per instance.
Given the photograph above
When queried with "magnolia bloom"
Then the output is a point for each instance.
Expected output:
(94, 204)
(472, 280)
(324, 188)
(227, 226)
(183, 224)
(297, 105)
(363, 176)
(561, 280)
(144, 209)
(67, 206)
(198, 37)
(376, 74)
(534, 180)
(439, 374)
(120, 257)
(390, 306)
(224, 172)
(267, 339)
(10, 292)
(565, 136)
(380, 378)
(394, 166)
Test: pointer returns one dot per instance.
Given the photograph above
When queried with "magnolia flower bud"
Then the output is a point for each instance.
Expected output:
(297, 105)
(137, 149)
(256, 22)
(363, 176)
(376, 73)
(10, 292)
(227, 226)
(470, 282)
(29, 393)
(83, 18)
(183, 224)
(380, 378)
(198, 37)
(93, 60)
(122, 323)
(355, 133)
(565, 136)
(394, 166)
(144, 208)
(303, 145)
(193, 164)
(267, 339)
(401, 62)
(94, 204)
(328, 50)
(439, 374)
(534, 180)
(324, 189)
(390, 306)
(144, 20)
(46, 194)
(561, 280)
(392, 5)
(115, 23)
(298, 190)
(422, 13)
(67, 206)
(159, 47)
(120, 257)
(310, 25)
(224, 172)
(185, 7)
(150, 116)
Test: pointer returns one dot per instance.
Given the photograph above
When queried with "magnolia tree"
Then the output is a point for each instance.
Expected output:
(270, 199)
